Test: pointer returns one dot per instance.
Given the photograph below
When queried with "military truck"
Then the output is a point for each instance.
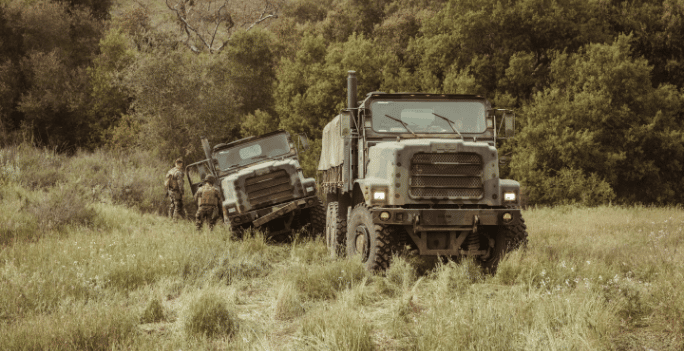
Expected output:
(261, 184)
(419, 171)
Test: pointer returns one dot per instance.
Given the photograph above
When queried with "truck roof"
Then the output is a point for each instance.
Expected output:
(244, 140)
(422, 95)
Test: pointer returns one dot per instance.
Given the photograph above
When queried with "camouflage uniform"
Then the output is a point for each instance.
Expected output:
(208, 200)
(174, 189)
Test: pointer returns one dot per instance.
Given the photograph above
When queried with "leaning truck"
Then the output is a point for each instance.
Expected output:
(261, 184)
(421, 171)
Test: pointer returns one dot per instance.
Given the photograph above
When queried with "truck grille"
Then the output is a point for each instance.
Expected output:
(452, 176)
(268, 189)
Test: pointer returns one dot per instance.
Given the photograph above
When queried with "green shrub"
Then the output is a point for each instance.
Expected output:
(60, 207)
(39, 168)
(210, 316)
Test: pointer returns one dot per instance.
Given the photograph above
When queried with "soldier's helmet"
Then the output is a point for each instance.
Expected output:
(210, 178)
(179, 160)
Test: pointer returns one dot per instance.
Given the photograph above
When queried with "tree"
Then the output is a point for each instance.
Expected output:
(180, 96)
(252, 59)
(44, 82)
(311, 89)
(602, 131)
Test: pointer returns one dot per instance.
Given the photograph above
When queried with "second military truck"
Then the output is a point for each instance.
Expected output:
(419, 170)
(261, 184)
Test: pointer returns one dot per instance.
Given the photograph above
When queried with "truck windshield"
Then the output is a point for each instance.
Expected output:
(466, 116)
(254, 151)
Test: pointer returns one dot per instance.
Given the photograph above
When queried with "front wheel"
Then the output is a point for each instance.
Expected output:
(368, 241)
(506, 239)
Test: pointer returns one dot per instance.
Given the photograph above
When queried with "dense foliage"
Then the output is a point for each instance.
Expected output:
(597, 85)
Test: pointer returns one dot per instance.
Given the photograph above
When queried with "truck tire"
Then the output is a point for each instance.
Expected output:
(335, 229)
(311, 220)
(506, 239)
(367, 240)
(317, 219)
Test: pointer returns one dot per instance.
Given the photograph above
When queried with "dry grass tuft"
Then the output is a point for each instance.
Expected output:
(288, 304)
(154, 312)
(209, 315)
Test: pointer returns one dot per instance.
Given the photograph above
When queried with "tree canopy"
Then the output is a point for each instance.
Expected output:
(596, 85)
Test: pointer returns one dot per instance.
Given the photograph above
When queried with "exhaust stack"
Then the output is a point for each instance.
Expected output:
(351, 92)
(207, 153)
(206, 147)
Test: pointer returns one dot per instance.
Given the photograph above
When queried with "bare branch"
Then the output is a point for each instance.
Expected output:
(182, 16)
(204, 22)
(220, 19)
(261, 20)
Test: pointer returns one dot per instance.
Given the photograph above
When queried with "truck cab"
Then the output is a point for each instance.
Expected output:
(422, 170)
(261, 183)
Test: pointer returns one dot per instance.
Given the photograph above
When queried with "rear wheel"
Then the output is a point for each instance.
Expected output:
(335, 229)
(506, 239)
(370, 242)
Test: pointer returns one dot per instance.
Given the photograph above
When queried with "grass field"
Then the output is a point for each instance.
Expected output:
(84, 269)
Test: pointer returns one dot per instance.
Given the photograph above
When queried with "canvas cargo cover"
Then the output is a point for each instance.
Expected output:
(332, 153)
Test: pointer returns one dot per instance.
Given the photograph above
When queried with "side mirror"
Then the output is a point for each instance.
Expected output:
(509, 124)
(345, 123)
(304, 141)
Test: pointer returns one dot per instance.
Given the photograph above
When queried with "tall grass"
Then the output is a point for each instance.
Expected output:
(81, 268)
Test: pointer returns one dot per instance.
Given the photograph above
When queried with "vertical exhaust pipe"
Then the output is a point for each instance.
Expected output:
(205, 146)
(351, 93)
(207, 153)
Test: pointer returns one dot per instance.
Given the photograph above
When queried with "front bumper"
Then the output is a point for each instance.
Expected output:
(445, 219)
(262, 216)
(443, 231)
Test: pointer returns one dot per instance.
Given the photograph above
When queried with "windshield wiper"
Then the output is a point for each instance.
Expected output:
(402, 123)
(451, 124)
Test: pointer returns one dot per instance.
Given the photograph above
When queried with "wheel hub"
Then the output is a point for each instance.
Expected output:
(362, 242)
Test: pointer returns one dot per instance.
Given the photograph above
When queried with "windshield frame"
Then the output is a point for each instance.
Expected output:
(456, 127)
(240, 150)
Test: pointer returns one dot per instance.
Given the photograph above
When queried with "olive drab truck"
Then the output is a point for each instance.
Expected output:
(261, 184)
(419, 170)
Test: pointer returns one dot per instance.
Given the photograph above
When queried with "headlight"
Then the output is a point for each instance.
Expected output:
(379, 195)
(509, 196)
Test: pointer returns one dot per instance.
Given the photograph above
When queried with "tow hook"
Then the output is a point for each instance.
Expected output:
(476, 222)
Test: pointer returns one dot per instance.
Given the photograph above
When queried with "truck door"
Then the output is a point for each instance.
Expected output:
(196, 173)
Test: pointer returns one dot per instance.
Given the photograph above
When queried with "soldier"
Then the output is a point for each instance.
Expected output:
(208, 200)
(174, 189)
